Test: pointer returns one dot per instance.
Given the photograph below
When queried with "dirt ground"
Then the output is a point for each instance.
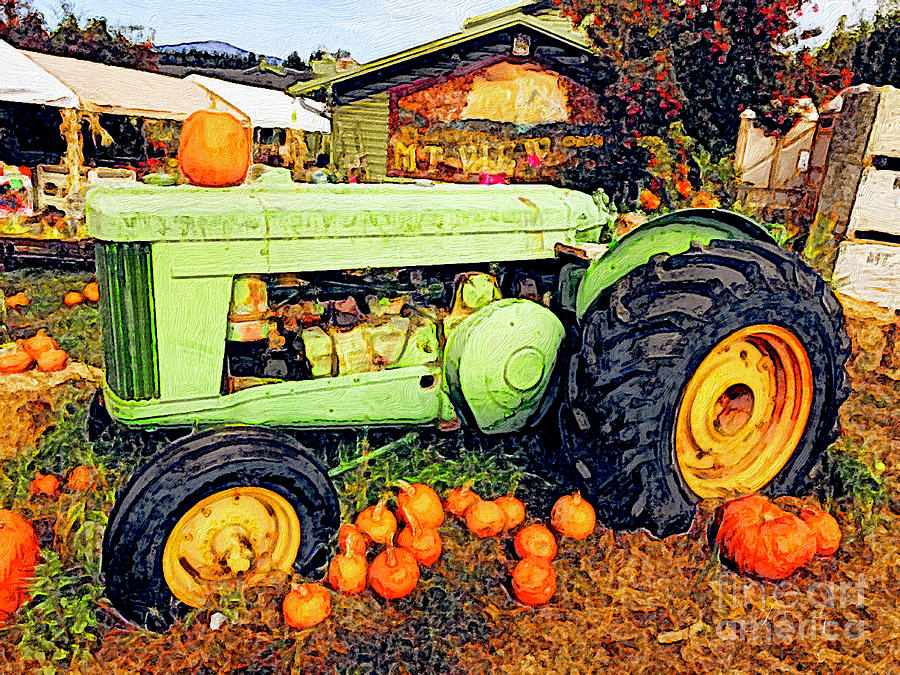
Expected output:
(626, 602)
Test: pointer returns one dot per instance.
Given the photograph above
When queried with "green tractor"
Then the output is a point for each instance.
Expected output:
(691, 359)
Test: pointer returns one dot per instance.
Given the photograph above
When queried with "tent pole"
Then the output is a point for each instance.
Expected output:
(73, 160)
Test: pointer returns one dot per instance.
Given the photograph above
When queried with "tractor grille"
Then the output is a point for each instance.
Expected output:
(126, 309)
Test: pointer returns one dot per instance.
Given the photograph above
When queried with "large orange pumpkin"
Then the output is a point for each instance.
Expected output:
(214, 150)
(19, 553)
(762, 539)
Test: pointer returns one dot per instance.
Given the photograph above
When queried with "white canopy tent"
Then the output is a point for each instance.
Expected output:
(268, 108)
(24, 81)
(125, 91)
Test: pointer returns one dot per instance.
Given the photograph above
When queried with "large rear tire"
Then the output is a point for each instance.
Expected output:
(711, 373)
(247, 500)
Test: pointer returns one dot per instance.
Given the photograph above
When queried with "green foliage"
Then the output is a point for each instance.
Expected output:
(848, 477)
(77, 329)
(58, 624)
(439, 465)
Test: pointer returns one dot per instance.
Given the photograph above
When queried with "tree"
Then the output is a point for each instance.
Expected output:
(295, 61)
(21, 25)
(97, 41)
(698, 61)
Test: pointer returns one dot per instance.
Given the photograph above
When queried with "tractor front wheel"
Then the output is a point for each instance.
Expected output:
(708, 374)
(215, 511)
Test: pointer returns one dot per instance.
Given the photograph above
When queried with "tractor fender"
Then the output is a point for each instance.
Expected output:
(672, 233)
(499, 361)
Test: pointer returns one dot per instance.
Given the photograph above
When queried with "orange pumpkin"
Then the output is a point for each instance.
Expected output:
(485, 519)
(762, 539)
(535, 541)
(39, 343)
(824, 527)
(420, 502)
(19, 552)
(92, 291)
(73, 298)
(513, 510)
(214, 150)
(351, 539)
(81, 478)
(44, 485)
(394, 573)
(15, 361)
(534, 581)
(18, 300)
(704, 200)
(52, 360)
(423, 542)
(347, 572)
(377, 523)
(459, 500)
(573, 516)
(306, 606)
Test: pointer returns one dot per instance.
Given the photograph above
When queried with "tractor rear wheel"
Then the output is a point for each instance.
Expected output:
(708, 374)
(214, 511)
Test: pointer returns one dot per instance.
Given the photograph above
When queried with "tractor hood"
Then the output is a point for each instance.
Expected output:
(273, 207)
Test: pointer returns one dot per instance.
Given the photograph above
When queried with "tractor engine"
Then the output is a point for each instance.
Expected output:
(498, 354)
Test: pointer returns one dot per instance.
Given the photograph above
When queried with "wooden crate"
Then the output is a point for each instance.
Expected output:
(869, 271)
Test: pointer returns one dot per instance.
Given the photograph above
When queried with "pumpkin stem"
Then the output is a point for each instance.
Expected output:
(406, 487)
(413, 523)
(391, 556)
(576, 498)
(378, 512)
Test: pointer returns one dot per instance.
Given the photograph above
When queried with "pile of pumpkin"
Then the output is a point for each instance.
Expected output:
(394, 572)
(765, 540)
(40, 349)
(90, 292)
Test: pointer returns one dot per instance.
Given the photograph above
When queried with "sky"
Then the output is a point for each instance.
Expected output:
(368, 29)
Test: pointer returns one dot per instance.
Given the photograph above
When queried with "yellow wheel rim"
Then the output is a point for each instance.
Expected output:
(743, 412)
(233, 537)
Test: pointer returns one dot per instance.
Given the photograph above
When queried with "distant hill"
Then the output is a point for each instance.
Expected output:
(212, 47)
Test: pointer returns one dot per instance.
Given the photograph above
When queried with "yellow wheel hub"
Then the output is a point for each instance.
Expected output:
(743, 412)
(237, 535)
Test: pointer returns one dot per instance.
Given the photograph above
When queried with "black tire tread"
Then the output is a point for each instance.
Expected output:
(642, 330)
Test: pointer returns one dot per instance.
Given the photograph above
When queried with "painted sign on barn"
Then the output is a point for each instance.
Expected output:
(511, 119)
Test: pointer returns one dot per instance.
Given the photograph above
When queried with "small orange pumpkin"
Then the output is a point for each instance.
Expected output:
(347, 572)
(306, 606)
(394, 573)
(44, 485)
(421, 502)
(39, 343)
(824, 527)
(81, 478)
(15, 361)
(459, 500)
(18, 300)
(573, 516)
(534, 581)
(513, 510)
(73, 298)
(351, 539)
(19, 552)
(535, 541)
(214, 150)
(377, 523)
(762, 539)
(52, 360)
(423, 542)
(92, 291)
(485, 519)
